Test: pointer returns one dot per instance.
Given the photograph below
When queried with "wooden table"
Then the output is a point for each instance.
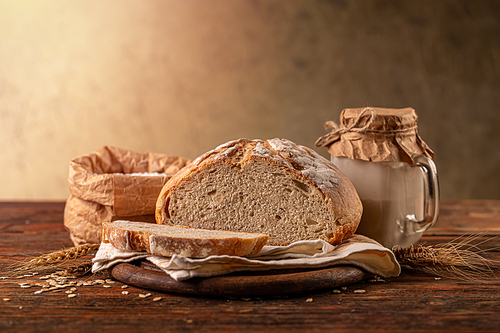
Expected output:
(411, 302)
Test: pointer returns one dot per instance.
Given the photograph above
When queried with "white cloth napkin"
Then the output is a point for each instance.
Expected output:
(357, 251)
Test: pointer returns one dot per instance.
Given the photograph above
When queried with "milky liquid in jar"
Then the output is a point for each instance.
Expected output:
(392, 169)
(390, 192)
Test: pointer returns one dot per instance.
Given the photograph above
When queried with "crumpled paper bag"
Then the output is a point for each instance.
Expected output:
(357, 251)
(113, 183)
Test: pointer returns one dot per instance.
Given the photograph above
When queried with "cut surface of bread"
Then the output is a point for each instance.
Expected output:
(163, 240)
(274, 187)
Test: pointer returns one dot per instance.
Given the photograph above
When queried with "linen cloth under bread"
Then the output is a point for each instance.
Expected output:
(357, 251)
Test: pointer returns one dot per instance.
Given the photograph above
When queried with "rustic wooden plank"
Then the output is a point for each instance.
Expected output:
(458, 217)
(411, 302)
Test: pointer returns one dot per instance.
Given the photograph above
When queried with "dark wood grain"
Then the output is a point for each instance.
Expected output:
(412, 302)
(467, 216)
(241, 285)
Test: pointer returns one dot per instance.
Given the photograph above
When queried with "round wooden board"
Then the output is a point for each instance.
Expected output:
(251, 284)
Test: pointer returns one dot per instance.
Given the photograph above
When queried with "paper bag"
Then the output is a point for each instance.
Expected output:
(113, 183)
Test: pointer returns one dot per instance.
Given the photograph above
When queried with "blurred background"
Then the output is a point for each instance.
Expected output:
(181, 77)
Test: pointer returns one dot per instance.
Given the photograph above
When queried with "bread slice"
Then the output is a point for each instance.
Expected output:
(166, 240)
(274, 187)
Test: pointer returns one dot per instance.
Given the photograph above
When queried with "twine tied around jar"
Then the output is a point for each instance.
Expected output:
(337, 130)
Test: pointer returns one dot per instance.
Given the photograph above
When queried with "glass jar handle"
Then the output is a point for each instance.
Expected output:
(431, 196)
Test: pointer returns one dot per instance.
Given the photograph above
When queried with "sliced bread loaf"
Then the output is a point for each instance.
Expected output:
(166, 240)
(274, 187)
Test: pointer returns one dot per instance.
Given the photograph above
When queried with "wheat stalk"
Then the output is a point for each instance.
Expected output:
(460, 258)
(54, 260)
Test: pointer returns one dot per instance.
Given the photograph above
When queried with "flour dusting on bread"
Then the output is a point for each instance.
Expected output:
(275, 187)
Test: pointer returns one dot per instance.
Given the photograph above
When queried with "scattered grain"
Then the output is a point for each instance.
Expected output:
(71, 295)
(144, 295)
(125, 292)
(309, 300)
(156, 299)
(6, 299)
(359, 291)
(376, 278)
(336, 291)
(124, 286)
(106, 286)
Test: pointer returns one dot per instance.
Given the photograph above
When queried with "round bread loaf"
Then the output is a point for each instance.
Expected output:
(274, 187)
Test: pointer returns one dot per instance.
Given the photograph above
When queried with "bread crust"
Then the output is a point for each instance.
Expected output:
(129, 238)
(297, 161)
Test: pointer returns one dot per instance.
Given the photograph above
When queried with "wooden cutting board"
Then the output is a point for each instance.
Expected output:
(249, 284)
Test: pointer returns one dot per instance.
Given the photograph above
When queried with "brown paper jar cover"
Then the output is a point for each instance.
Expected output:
(113, 183)
(376, 135)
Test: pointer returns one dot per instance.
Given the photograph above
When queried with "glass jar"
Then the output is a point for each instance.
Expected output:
(392, 169)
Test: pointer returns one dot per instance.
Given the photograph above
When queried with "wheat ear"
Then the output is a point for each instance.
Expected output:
(460, 258)
(51, 260)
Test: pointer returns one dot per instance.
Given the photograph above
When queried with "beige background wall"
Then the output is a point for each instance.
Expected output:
(181, 77)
